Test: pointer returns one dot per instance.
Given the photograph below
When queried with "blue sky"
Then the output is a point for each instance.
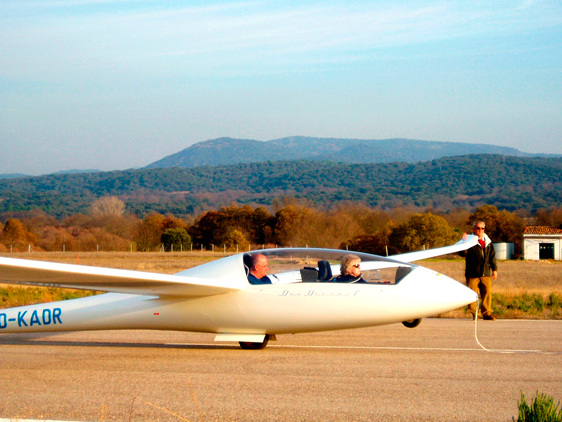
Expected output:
(116, 84)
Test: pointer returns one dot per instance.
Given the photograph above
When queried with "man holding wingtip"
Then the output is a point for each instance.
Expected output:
(481, 269)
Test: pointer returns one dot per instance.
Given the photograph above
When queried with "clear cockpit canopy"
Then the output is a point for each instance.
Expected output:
(294, 265)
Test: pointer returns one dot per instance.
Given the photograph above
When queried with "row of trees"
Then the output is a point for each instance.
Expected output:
(290, 222)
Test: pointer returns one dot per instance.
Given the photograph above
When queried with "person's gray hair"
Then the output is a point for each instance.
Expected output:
(478, 222)
(346, 263)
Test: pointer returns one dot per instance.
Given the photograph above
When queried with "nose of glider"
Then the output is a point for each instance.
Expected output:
(453, 292)
(435, 293)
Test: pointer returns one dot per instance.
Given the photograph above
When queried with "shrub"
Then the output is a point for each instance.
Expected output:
(175, 239)
(542, 409)
(555, 299)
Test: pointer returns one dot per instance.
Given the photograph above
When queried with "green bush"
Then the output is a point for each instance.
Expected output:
(555, 299)
(542, 409)
(527, 304)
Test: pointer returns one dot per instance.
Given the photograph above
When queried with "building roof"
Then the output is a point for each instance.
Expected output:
(542, 230)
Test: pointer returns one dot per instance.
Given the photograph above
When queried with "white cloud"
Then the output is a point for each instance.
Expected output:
(526, 4)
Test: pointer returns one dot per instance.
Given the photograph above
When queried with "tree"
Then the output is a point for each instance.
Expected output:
(175, 238)
(14, 233)
(108, 205)
(458, 219)
(290, 225)
(55, 238)
(551, 217)
(149, 232)
(236, 240)
(422, 230)
(207, 228)
(501, 226)
(368, 243)
(171, 222)
(214, 227)
(262, 224)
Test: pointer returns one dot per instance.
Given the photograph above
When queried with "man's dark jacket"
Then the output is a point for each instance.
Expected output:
(254, 280)
(480, 263)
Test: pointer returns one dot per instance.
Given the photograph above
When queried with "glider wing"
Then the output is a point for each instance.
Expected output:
(461, 245)
(40, 273)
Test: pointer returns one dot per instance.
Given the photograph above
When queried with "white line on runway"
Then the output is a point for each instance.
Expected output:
(31, 420)
(430, 349)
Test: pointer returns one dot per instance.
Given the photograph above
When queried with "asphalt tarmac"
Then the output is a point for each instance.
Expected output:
(435, 372)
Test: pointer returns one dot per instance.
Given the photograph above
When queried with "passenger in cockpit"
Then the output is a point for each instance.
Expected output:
(350, 270)
(258, 270)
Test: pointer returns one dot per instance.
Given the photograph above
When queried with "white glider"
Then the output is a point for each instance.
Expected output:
(216, 297)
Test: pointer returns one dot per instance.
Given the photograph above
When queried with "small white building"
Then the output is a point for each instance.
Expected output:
(542, 242)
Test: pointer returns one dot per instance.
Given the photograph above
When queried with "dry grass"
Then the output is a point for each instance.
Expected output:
(514, 278)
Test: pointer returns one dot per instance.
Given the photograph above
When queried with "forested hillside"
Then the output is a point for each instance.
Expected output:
(468, 181)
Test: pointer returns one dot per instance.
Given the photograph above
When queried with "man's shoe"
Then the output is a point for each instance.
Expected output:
(489, 317)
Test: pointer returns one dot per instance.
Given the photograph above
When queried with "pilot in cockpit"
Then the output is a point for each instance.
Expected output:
(258, 270)
(350, 270)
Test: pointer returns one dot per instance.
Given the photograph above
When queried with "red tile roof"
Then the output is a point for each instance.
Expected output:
(542, 230)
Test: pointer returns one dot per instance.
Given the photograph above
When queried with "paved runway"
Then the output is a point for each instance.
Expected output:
(436, 372)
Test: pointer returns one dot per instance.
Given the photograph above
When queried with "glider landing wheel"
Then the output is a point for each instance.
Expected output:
(413, 323)
(248, 345)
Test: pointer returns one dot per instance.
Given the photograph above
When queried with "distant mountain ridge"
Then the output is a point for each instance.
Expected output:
(12, 175)
(74, 171)
(228, 151)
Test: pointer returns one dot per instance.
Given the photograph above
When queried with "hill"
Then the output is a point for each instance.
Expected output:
(467, 181)
(12, 175)
(225, 151)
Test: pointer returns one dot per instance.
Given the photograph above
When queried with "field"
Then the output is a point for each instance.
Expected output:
(524, 289)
